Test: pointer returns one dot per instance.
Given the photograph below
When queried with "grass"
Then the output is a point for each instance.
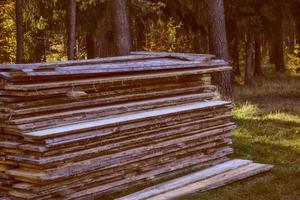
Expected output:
(268, 118)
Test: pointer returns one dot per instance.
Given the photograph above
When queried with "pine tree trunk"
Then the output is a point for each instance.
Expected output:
(218, 44)
(234, 46)
(38, 47)
(233, 37)
(20, 31)
(278, 46)
(236, 57)
(121, 30)
(72, 30)
(297, 30)
(140, 35)
(258, 67)
(249, 56)
(90, 47)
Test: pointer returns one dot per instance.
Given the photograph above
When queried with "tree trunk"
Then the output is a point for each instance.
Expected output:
(37, 49)
(20, 31)
(140, 35)
(233, 36)
(278, 46)
(236, 57)
(72, 30)
(90, 47)
(249, 56)
(258, 67)
(218, 44)
(121, 30)
(297, 30)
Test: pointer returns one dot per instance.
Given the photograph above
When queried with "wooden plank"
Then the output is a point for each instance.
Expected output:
(185, 180)
(125, 118)
(104, 111)
(216, 181)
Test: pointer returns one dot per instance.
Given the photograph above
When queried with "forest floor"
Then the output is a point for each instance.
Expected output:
(268, 118)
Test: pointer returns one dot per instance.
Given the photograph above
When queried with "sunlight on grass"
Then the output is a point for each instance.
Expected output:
(246, 110)
(283, 117)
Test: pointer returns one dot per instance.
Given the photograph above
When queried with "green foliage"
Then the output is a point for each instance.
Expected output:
(294, 59)
(164, 36)
(7, 32)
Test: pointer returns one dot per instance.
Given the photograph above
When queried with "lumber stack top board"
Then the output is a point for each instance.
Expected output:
(91, 128)
(138, 61)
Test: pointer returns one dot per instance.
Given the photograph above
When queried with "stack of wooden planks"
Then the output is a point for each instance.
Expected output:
(82, 129)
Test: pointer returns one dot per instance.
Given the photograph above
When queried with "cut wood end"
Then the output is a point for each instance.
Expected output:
(76, 94)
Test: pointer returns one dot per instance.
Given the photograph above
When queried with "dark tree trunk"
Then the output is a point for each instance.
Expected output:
(121, 30)
(218, 44)
(20, 31)
(90, 47)
(236, 57)
(72, 30)
(234, 46)
(38, 47)
(200, 41)
(297, 30)
(278, 46)
(272, 52)
(249, 58)
(140, 35)
(233, 36)
(258, 67)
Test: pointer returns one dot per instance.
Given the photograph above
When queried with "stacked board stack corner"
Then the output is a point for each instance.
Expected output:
(84, 129)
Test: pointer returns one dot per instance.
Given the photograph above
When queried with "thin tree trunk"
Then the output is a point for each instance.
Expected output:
(236, 57)
(72, 30)
(140, 34)
(272, 52)
(249, 60)
(258, 67)
(90, 47)
(278, 46)
(233, 36)
(20, 31)
(121, 30)
(218, 44)
(297, 30)
(38, 47)
(234, 46)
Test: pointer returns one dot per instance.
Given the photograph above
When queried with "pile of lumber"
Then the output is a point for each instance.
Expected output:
(83, 129)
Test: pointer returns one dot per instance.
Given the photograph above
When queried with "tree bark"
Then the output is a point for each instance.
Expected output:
(90, 47)
(236, 57)
(37, 49)
(218, 44)
(72, 30)
(20, 31)
(278, 44)
(121, 30)
(249, 56)
(233, 36)
(258, 68)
